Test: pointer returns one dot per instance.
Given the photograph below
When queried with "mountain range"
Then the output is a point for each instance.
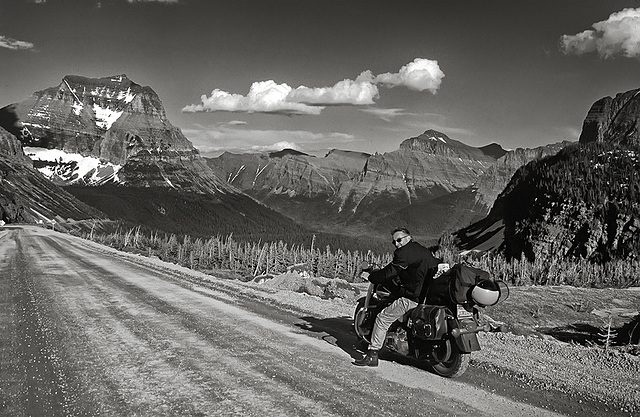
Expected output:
(432, 183)
(105, 148)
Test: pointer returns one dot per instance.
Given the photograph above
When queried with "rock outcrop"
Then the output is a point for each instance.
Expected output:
(11, 148)
(613, 120)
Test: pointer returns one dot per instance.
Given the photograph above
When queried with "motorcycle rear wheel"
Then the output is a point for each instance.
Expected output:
(454, 364)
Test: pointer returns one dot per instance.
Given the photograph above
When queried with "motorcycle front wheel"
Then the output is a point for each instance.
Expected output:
(358, 319)
(449, 361)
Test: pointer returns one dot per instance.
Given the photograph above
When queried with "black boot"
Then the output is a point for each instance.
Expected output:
(371, 359)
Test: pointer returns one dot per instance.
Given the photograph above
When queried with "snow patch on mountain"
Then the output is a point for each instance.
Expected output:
(77, 108)
(437, 138)
(72, 167)
(105, 116)
(108, 99)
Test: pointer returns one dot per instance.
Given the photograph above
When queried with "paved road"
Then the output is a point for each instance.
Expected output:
(85, 330)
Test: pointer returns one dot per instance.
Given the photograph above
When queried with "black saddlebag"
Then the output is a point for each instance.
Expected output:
(428, 322)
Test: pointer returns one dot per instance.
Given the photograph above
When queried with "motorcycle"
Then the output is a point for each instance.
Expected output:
(442, 331)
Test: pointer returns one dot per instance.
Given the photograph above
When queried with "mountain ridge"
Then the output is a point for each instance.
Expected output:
(363, 193)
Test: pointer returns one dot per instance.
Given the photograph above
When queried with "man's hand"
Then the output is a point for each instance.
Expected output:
(364, 275)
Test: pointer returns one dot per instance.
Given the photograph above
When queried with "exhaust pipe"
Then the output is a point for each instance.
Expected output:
(458, 332)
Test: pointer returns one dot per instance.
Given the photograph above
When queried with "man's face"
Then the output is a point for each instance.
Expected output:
(400, 239)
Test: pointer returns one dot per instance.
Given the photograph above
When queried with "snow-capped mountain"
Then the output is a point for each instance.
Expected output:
(110, 118)
(98, 130)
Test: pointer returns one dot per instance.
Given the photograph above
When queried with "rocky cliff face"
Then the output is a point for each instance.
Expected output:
(428, 176)
(496, 178)
(11, 148)
(613, 120)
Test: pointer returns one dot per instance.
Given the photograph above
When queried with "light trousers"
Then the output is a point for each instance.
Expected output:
(386, 318)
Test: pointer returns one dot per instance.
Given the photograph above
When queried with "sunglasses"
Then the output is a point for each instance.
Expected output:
(398, 240)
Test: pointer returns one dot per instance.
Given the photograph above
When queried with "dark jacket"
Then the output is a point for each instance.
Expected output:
(411, 263)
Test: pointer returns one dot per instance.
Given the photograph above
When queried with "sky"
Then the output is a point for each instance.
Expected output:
(315, 75)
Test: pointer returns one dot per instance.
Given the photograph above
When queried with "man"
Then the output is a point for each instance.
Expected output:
(411, 264)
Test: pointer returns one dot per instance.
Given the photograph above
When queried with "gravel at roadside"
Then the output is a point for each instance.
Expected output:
(610, 376)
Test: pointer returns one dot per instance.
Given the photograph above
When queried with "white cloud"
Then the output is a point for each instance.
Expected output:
(9, 43)
(358, 92)
(421, 74)
(270, 97)
(263, 97)
(619, 34)
(581, 43)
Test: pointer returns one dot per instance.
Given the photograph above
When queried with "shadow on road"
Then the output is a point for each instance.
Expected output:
(339, 332)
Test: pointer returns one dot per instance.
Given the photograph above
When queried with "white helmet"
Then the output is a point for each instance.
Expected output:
(486, 293)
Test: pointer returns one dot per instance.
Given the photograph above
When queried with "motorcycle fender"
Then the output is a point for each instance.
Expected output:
(468, 342)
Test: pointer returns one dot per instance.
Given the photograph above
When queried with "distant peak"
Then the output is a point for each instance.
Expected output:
(428, 141)
(434, 135)
(493, 150)
(113, 81)
(349, 154)
(285, 152)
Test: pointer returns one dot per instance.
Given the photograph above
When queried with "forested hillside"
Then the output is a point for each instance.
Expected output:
(205, 215)
(581, 203)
